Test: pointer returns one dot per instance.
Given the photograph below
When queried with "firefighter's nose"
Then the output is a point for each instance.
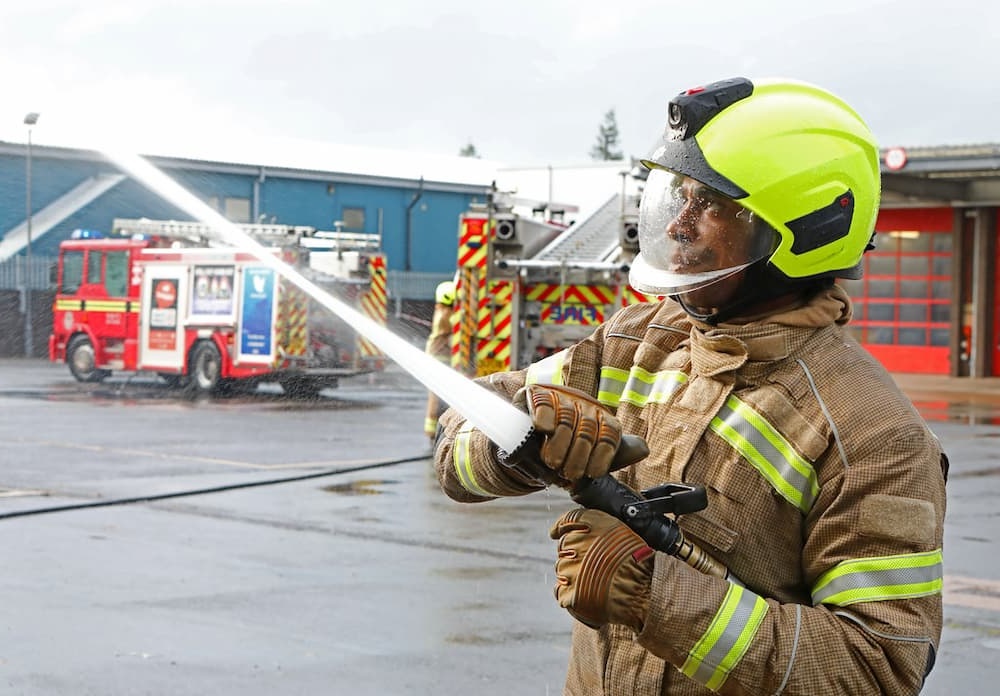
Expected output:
(682, 227)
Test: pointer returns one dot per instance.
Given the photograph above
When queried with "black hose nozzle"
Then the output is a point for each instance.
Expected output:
(642, 512)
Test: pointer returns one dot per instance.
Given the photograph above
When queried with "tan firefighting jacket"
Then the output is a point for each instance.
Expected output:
(438, 345)
(826, 498)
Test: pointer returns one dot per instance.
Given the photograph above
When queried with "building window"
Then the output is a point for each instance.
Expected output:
(354, 219)
(237, 209)
(904, 298)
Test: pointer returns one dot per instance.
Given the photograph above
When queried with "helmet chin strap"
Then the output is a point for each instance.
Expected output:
(762, 283)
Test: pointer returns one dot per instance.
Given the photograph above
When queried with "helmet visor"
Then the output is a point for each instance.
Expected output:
(690, 236)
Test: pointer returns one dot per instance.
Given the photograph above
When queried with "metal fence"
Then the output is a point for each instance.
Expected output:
(16, 270)
(412, 285)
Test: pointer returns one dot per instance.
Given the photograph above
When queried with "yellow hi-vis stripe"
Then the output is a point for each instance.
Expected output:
(462, 458)
(108, 305)
(637, 386)
(771, 454)
(92, 305)
(547, 370)
(876, 579)
(727, 639)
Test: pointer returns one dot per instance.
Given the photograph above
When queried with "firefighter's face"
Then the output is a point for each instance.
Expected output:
(709, 232)
(694, 242)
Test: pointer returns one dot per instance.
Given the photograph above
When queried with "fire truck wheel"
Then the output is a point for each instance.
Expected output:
(205, 367)
(81, 360)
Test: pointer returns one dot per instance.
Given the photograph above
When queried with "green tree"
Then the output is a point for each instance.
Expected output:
(606, 146)
(469, 150)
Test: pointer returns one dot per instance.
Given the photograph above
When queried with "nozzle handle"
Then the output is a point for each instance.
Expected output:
(631, 450)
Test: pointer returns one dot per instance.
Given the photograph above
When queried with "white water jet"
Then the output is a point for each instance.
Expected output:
(503, 423)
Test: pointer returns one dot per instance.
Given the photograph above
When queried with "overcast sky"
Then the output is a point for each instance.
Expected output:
(527, 82)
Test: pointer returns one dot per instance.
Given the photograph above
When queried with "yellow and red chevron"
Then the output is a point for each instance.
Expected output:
(632, 296)
(374, 303)
(494, 327)
(292, 321)
(571, 294)
(472, 243)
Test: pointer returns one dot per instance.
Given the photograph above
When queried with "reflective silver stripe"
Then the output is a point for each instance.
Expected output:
(547, 370)
(611, 386)
(462, 457)
(638, 386)
(792, 476)
(727, 639)
(876, 579)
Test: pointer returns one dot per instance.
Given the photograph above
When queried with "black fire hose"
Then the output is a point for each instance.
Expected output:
(644, 512)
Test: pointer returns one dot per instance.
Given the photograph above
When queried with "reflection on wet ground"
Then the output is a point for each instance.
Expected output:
(360, 487)
(140, 389)
(960, 412)
(144, 392)
(975, 473)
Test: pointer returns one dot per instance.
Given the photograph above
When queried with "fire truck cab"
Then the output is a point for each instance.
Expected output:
(208, 317)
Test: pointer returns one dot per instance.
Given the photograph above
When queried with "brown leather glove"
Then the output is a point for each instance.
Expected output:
(604, 570)
(580, 435)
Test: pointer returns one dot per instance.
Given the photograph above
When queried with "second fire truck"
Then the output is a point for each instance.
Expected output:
(529, 286)
(161, 297)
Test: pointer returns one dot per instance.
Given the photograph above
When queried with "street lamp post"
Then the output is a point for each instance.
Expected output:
(30, 119)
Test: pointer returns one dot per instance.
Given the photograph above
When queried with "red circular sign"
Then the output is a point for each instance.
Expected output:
(895, 158)
(165, 293)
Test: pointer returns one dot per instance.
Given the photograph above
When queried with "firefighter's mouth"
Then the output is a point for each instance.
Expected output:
(692, 260)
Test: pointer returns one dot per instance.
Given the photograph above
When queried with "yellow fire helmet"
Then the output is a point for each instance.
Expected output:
(791, 168)
(445, 293)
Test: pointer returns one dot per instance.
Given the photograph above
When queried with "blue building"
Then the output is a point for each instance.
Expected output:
(416, 217)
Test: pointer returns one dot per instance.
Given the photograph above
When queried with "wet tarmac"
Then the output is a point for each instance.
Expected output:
(283, 552)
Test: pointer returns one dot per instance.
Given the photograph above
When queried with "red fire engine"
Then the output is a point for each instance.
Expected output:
(159, 297)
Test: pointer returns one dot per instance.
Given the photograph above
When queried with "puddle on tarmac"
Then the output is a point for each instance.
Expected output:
(360, 487)
(144, 393)
(473, 639)
(501, 638)
(960, 412)
(975, 473)
(469, 573)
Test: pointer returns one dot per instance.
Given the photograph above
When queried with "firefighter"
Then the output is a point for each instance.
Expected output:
(826, 490)
(438, 345)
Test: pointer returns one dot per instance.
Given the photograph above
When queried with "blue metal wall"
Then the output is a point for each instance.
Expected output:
(419, 227)
(418, 223)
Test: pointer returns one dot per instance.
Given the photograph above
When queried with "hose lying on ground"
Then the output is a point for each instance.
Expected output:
(212, 489)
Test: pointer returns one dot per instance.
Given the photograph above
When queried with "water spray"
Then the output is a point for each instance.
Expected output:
(503, 423)
(506, 425)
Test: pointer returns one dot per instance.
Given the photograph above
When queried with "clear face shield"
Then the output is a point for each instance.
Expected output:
(691, 236)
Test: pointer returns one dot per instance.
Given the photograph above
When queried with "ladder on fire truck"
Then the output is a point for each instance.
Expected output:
(202, 234)
(593, 240)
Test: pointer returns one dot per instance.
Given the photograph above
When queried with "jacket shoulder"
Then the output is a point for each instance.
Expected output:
(633, 320)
